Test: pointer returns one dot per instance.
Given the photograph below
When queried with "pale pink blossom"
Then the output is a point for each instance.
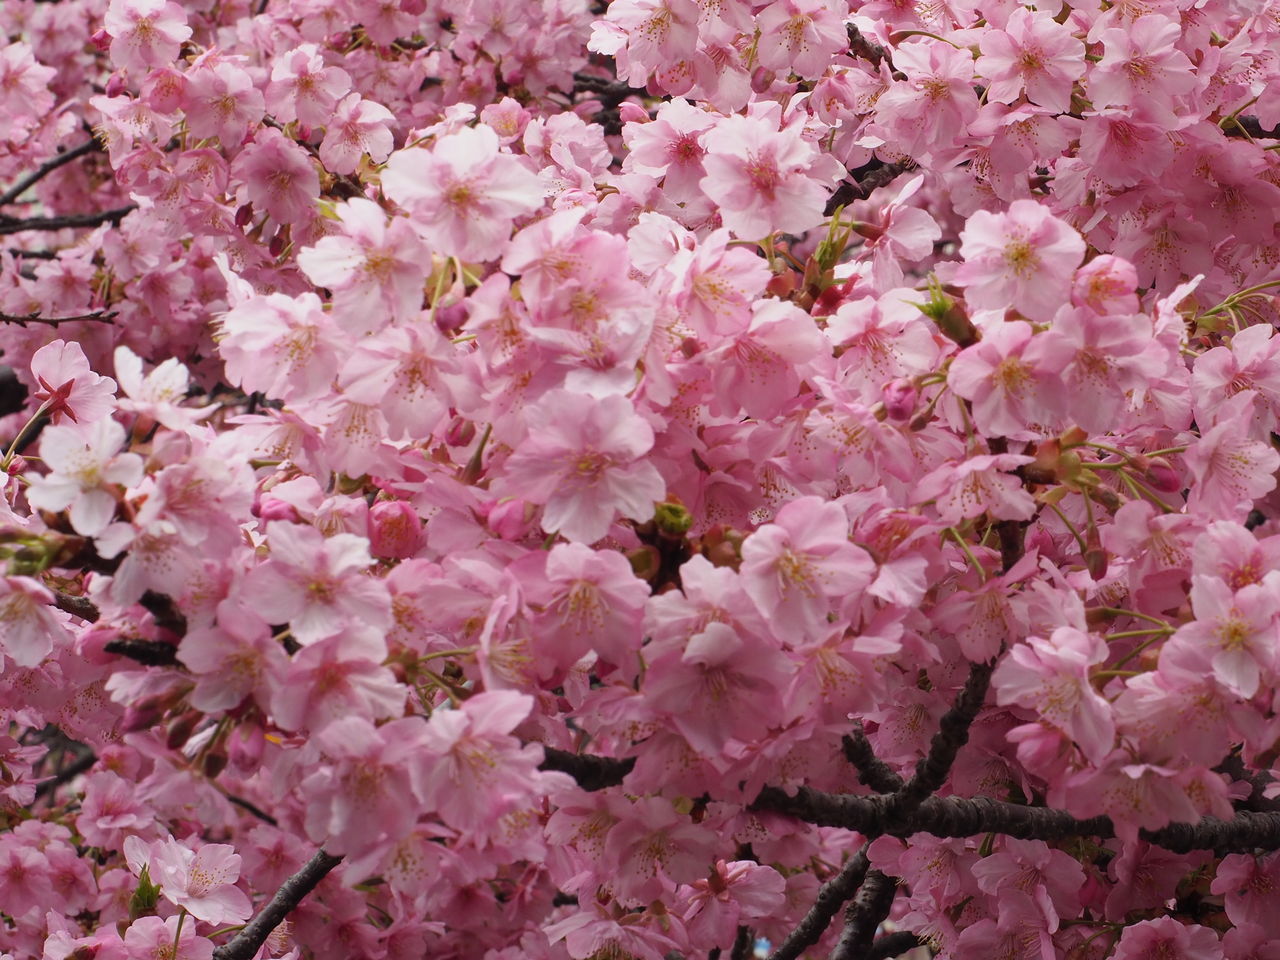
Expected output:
(978, 485)
(1024, 259)
(1034, 55)
(285, 347)
(1166, 937)
(304, 88)
(800, 36)
(200, 881)
(1237, 631)
(222, 102)
(1051, 676)
(583, 460)
(337, 677)
(800, 567)
(29, 627)
(24, 81)
(67, 388)
(463, 193)
(478, 769)
(1014, 392)
(278, 176)
(356, 127)
(1142, 66)
(86, 471)
(763, 179)
(317, 585)
(1229, 467)
(145, 33)
(150, 938)
(375, 267)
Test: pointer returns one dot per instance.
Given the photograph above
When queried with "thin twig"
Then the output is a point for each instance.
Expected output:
(291, 893)
(81, 607)
(10, 225)
(82, 764)
(18, 189)
(98, 316)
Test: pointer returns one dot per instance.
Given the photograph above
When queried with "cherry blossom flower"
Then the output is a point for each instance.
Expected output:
(200, 881)
(463, 194)
(582, 461)
(308, 582)
(1166, 937)
(84, 467)
(355, 128)
(803, 562)
(1032, 54)
(375, 267)
(1014, 391)
(67, 388)
(29, 628)
(145, 33)
(763, 179)
(1051, 676)
(304, 88)
(1024, 258)
(278, 176)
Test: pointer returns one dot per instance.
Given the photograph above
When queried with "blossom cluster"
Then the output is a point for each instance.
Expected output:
(594, 483)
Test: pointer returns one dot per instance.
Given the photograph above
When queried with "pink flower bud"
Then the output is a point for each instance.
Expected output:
(460, 432)
(17, 465)
(900, 399)
(245, 745)
(1163, 477)
(244, 214)
(395, 530)
(102, 41)
(632, 112)
(115, 83)
(269, 508)
(450, 318)
(509, 519)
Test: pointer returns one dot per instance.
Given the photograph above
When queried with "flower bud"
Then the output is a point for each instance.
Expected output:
(244, 214)
(460, 432)
(180, 730)
(101, 40)
(395, 530)
(900, 399)
(1163, 477)
(632, 112)
(270, 508)
(450, 317)
(510, 519)
(245, 744)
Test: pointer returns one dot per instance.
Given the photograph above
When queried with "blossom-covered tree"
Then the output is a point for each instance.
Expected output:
(647, 480)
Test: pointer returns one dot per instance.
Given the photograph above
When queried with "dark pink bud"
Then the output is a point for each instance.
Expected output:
(450, 317)
(900, 399)
(244, 214)
(115, 85)
(395, 530)
(1163, 477)
(509, 519)
(632, 112)
(102, 41)
(269, 508)
(460, 432)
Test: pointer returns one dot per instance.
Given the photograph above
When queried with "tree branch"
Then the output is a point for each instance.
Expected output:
(81, 607)
(892, 944)
(865, 914)
(953, 733)
(875, 174)
(967, 817)
(18, 189)
(100, 316)
(833, 895)
(11, 225)
(591, 772)
(254, 934)
(872, 771)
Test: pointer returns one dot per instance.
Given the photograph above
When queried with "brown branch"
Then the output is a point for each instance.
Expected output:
(150, 653)
(970, 816)
(861, 47)
(99, 316)
(81, 607)
(864, 915)
(875, 175)
(18, 189)
(872, 771)
(953, 733)
(833, 895)
(892, 944)
(291, 893)
(591, 772)
(10, 225)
